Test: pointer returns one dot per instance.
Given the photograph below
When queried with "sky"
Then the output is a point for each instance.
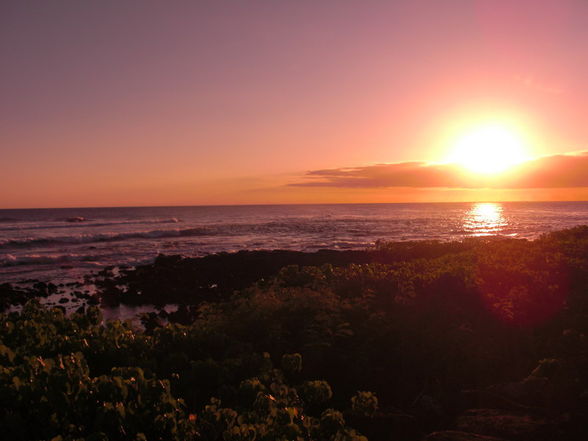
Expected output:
(123, 103)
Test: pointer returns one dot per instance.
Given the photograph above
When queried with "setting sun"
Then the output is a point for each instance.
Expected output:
(489, 149)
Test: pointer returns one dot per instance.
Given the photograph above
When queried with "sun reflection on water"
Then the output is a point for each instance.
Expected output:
(484, 219)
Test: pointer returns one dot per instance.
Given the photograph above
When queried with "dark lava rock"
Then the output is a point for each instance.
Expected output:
(76, 219)
(41, 289)
(183, 315)
(481, 398)
(456, 435)
(214, 278)
(13, 295)
(387, 425)
(81, 295)
(515, 426)
(93, 300)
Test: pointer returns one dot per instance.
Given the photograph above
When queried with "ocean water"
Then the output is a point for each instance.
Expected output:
(65, 244)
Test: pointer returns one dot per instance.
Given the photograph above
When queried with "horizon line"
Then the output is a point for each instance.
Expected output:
(289, 204)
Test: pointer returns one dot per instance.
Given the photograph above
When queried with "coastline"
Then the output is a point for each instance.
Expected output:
(187, 281)
(436, 340)
(63, 245)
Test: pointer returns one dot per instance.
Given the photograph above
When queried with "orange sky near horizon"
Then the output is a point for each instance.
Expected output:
(218, 102)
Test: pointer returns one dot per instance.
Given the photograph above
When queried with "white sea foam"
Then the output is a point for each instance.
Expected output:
(86, 224)
(44, 259)
(44, 241)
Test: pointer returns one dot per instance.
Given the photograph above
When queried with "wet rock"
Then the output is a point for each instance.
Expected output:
(13, 295)
(76, 219)
(81, 295)
(41, 288)
(93, 300)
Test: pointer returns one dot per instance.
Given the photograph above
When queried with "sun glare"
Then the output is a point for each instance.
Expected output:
(489, 149)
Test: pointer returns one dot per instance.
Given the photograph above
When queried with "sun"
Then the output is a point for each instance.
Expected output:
(488, 149)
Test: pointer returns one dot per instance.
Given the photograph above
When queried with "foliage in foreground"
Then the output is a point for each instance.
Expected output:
(72, 379)
(505, 319)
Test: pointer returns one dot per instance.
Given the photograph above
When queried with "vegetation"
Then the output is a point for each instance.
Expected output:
(484, 336)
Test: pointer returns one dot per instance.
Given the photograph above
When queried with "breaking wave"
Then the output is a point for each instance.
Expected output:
(275, 228)
(37, 259)
(88, 224)
(100, 237)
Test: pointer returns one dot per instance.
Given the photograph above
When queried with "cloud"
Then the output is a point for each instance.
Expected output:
(556, 171)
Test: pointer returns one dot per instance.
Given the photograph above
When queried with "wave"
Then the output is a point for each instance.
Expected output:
(212, 230)
(101, 237)
(76, 219)
(85, 224)
(37, 259)
(235, 229)
(303, 230)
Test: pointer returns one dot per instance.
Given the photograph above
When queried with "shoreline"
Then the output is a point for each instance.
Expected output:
(58, 244)
(125, 285)
(484, 336)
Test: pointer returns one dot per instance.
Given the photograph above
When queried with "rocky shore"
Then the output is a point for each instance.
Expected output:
(479, 340)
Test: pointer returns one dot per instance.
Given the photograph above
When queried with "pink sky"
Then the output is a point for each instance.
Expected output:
(222, 102)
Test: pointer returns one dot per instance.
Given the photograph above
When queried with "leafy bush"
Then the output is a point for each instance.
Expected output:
(364, 403)
(76, 378)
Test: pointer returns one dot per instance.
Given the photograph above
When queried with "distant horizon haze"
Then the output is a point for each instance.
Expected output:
(489, 201)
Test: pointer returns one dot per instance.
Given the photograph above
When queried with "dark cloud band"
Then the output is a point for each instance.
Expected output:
(557, 171)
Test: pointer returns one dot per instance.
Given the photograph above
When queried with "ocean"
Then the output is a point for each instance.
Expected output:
(62, 245)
